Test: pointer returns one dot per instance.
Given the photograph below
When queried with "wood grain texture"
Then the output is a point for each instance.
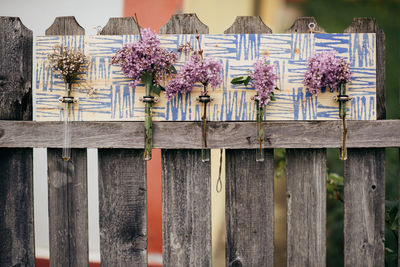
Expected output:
(364, 208)
(65, 26)
(16, 42)
(186, 209)
(248, 24)
(249, 191)
(68, 207)
(122, 198)
(364, 176)
(118, 26)
(186, 191)
(68, 203)
(17, 246)
(122, 191)
(306, 207)
(289, 134)
(184, 23)
(306, 194)
(249, 208)
(301, 25)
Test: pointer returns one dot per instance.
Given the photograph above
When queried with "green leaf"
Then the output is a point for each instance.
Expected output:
(173, 69)
(272, 96)
(246, 82)
(161, 88)
(156, 90)
(237, 80)
(276, 88)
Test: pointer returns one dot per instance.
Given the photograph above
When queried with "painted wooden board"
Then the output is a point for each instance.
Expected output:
(114, 100)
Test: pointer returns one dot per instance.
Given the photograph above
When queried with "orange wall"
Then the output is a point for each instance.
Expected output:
(154, 203)
(152, 13)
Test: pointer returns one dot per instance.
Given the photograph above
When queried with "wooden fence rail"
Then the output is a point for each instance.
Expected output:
(186, 180)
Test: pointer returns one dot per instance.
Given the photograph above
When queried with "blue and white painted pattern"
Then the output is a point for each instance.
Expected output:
(115, 100)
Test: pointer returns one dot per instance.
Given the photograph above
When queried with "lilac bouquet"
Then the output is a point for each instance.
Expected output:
(263, 79)
(197, 69)
(326, 69)
(145, 61)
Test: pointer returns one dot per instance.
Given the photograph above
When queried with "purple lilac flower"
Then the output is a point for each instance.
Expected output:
(144, 55)
(205, 71)
(263, 79)
(326, 69)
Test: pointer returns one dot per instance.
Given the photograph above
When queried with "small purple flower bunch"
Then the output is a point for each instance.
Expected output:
(326, 69)
(263, 79)
(144, 58)
(147, 62)
(197, 69)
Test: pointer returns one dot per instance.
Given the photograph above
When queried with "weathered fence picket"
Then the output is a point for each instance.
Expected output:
(67, 187)
(249, 208)
(249, 191)
(306, 207)
(306, 195)
(364, 178)
(16, 173)
(186, 208)
(186, 194)
(68, 208)
(186, 180)
(122, 192)
(123, 209)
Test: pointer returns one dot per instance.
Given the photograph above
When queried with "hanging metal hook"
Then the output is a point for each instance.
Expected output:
(311, 27)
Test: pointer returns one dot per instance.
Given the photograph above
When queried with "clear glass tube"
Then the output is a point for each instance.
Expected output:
(148, 122)
(342, 115)
(148, 135)
(205, 154)
(66, 150)
(205, 151)
(260, 134)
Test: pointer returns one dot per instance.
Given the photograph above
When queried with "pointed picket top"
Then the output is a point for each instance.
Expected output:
(184, 24)
(116, 26)
(301, 25)
(248, 24)
(14, 23)
(363, 25)
(369, 25)
(65, 26)
(16, 42)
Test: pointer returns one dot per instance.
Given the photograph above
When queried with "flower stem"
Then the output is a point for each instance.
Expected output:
(342, 115)
(260, 133)
(148, 124)
(343, 151)
(205, 151)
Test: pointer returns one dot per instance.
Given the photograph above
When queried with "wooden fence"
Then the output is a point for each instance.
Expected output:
(186, 180)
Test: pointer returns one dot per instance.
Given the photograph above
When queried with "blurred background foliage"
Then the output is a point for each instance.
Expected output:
(335, 16)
